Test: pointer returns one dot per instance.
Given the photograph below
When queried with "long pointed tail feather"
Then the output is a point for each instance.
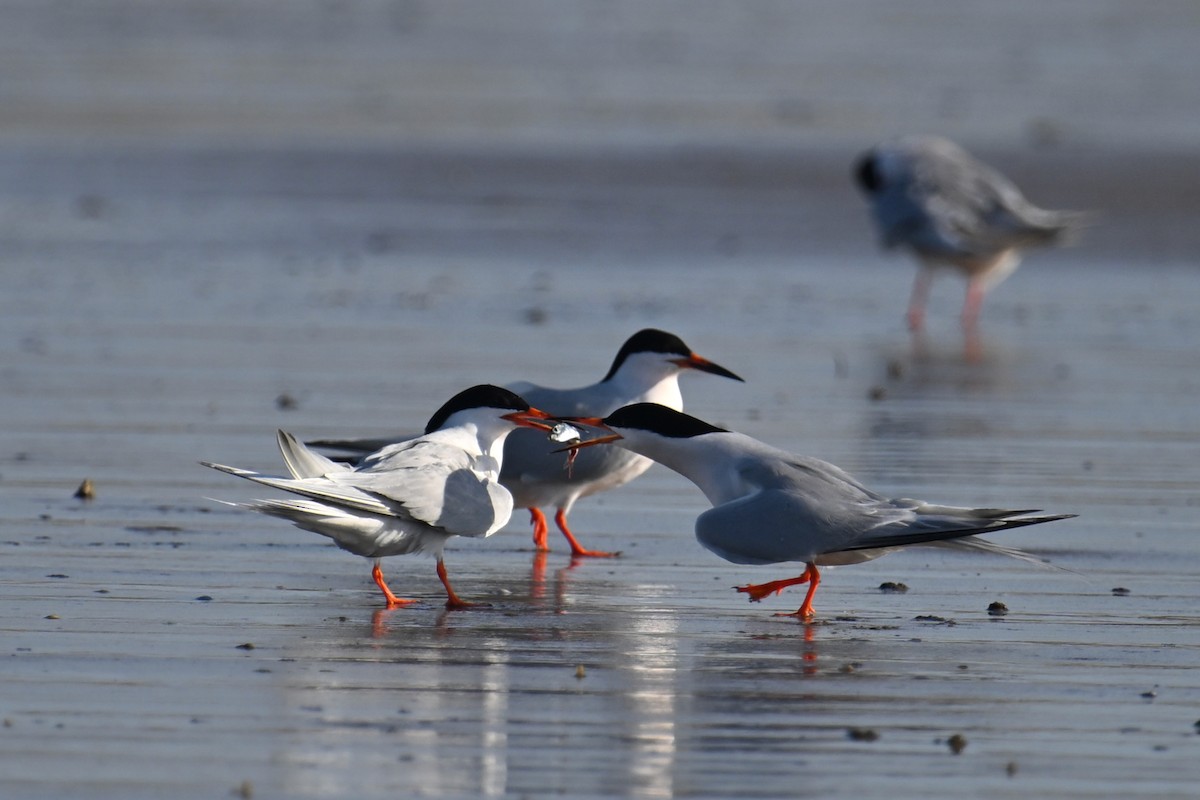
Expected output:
(945, 532)
(302, 462)
(325, 491)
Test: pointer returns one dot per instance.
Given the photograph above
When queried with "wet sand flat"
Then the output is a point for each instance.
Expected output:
(217, 220)
(146, 329)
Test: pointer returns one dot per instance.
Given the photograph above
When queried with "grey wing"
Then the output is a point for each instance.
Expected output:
(438, 484)
(921, 523)
(356, 450)
(778, 525)
(970, 209)
(800, 509)
(793, 508)
(769, 527)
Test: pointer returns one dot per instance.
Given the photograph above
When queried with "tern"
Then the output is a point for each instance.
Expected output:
(411, 496)
(950, 210)
(770, 506)
(646, 369)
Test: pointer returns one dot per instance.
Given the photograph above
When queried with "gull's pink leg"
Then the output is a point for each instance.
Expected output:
(916, 302)
(973, 303)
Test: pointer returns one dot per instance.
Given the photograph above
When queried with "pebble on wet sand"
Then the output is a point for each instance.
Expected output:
(893, 586)
(580, 672)
(862, 734)
(86, 490)
(957, 743)
(997, 609)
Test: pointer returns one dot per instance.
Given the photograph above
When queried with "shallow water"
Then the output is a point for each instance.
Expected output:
(159, 305)
(217, 220)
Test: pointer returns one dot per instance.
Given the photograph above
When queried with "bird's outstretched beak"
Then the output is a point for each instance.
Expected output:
(694, 361)
(533, 418)
(590, 422)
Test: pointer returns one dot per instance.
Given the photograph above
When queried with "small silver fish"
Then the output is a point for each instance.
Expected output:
(562, 432)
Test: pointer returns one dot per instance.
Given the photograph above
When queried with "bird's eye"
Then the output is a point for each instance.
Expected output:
(867, 175)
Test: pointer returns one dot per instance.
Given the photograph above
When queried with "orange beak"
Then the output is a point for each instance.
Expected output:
(694, 361)
(591, 422)
(533, 418)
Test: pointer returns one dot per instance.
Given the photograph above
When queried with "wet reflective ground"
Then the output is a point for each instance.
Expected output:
(165, 308)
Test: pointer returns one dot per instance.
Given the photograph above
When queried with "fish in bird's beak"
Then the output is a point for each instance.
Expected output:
(694, 361)
(533, 418)
(571, 436)
(565, 431)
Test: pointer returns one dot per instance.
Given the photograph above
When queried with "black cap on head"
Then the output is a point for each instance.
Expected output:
(483, 396)
(659, 419)
(866, 174)
(648, 340)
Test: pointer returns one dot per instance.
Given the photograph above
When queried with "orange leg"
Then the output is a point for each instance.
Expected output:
(578, 550)
(453, 601)
(392, 600)
(540, 529)
(810, 576)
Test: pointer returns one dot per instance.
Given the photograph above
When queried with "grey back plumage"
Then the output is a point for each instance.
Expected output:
(930, 195)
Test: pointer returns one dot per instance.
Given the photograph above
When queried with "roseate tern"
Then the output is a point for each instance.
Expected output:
(770, 506)
(930, 196)
(646, 369)
(410, 496)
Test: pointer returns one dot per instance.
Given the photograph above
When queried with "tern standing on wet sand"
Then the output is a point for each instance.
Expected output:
(770, 506)
(409, 497)
(952, 211)
(646, 369)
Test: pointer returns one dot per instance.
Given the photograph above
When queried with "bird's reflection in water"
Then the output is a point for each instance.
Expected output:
(537, 580)
(974, 350)
(471, 701)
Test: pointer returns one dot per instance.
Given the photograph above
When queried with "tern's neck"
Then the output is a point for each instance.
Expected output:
(706, 460)
(642, 380)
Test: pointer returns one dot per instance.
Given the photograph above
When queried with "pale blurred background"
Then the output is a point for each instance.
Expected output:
(587, 73)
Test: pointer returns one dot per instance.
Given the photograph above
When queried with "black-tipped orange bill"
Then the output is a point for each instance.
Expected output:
(533, 418)
(694, 361)
(579, 445)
